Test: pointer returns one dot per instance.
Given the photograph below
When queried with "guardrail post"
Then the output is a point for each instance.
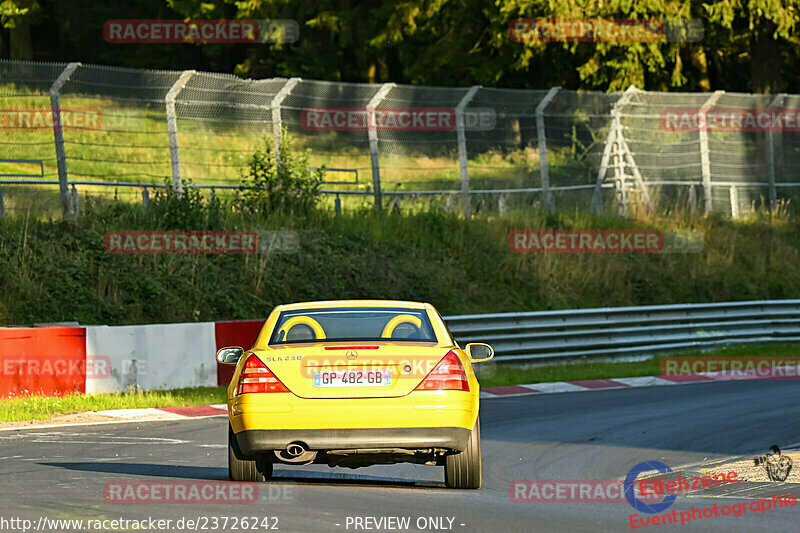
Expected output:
(372, 133)
(172, 129)
(275, 106)
(2, 203)
(705, 160)
(466, 202)
(337, 206)
(771, 134)
(541, 136)
(145, 199)
(501, 205)
(58, 135)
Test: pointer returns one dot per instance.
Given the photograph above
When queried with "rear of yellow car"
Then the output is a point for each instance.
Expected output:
(355, 383)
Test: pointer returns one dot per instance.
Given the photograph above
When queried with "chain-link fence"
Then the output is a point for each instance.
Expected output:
(71, 129)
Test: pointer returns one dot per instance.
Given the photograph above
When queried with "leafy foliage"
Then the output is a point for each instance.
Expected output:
(280, 188)
(747, 45)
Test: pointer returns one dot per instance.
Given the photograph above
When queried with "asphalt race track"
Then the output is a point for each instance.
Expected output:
(60, 473)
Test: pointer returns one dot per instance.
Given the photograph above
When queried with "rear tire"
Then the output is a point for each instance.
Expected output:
(463, 470)
(241, 468)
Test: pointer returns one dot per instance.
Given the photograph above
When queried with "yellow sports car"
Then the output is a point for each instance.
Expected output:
(355, 383)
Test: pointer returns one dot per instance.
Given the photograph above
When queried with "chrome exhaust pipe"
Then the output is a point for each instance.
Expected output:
(295, 450)
(296, 453)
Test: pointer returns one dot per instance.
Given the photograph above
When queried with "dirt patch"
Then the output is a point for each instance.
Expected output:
(75, 418)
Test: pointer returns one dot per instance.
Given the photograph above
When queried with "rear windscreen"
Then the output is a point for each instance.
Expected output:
(348, 324)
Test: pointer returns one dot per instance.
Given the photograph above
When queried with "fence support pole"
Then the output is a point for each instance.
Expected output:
(705, 160)
(541, 136)
(771, 135)
(631, 162)
(372, 133)
(275, 106)
(611, 140)
(58, 135)
(466, 202)
(172, 129)
(74, 202)
(2, 203)
(734, 195)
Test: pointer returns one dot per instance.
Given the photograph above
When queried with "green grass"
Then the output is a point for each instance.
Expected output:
(59, 271)
(43, 408)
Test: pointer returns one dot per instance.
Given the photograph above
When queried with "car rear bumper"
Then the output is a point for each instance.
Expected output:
(260, 440)
(425, 410)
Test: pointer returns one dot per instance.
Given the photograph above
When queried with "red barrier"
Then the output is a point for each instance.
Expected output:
(42, 361)
(235, 333)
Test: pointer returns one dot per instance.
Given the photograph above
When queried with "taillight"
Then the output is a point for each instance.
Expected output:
(256, 377)
(448, 374)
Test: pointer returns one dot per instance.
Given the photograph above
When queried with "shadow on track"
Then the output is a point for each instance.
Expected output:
(217, 474)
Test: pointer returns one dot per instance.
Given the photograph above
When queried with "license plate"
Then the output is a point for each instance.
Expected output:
(352, 378)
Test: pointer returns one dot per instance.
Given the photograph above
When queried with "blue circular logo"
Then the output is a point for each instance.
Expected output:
(651, 508)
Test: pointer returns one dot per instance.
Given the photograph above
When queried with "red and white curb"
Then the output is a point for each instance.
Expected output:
(166, 413)
(620, 383)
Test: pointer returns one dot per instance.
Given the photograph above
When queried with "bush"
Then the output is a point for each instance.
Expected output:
(286, 189)
(187, 211)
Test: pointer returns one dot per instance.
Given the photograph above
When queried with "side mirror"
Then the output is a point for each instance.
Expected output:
(230, 356)
(479, 352)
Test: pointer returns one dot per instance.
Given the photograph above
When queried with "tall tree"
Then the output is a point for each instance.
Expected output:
(17, 16)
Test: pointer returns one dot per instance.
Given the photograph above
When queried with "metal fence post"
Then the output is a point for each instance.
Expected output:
(372, 133)
(145, 199)
(2, 203)
(734, 195)
(502, 208)
(172, 129)
(466, 202)
(275, 106)
(58, 135)
(541, 136)
(771, 134)
(74, 202)
(705, 160)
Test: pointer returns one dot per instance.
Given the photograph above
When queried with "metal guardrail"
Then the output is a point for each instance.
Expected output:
(628, 331)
